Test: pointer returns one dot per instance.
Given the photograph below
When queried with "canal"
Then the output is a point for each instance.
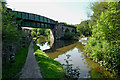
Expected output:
(61, 49)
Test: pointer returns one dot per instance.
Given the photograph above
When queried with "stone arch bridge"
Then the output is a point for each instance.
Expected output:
(57, 30)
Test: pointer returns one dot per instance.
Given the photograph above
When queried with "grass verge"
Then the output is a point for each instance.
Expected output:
(49, 68)
(9, 70)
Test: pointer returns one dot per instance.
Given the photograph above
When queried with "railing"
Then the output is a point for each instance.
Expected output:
(34, 17)
(34, 20)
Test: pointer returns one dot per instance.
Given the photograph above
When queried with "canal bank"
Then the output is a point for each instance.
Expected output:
(30, 69)
(49, 68)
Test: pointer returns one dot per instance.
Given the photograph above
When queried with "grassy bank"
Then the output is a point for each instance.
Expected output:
(49, 68)
(9, 70)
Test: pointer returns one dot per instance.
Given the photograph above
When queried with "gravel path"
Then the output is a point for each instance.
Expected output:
(31, 68)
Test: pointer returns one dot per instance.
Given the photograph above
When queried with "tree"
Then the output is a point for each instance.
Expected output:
(10, 35)
(83, 28)
(33, 34)
(39, 31)
(103, 46)
(97, 8)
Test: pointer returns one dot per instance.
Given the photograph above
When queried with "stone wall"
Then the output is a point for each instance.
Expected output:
(59, 30)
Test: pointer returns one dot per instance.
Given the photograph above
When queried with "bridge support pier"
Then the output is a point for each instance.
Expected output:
(52, 36)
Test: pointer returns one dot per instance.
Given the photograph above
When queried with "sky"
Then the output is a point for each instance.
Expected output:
(69, 11)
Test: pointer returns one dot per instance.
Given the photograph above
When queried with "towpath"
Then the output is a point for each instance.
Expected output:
(31, 68)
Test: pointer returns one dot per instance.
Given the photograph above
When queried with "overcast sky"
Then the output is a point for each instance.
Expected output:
(69, 11)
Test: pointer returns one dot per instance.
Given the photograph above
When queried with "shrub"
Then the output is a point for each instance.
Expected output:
(103, 46)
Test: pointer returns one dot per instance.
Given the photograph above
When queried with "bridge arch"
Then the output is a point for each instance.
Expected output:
(73, 30)
(67, 30)
(62, 29)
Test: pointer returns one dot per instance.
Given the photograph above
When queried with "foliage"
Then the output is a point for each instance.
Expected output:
(83, 28)
(10, 34)
(9, 26)
(33, 34)
(97, 8)
(37, 32)
(48, 67)
(70, 71)
(103, 46)
(9, 70)
(70, 25)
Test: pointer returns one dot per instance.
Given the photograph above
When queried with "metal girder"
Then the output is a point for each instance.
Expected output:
(34, 24)
(34, 18)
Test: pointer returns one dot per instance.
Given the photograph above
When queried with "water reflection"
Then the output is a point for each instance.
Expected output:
(55, 51)
(77, 60)
(44, 45)
(59, 44)
(61, 48)
(68, 68)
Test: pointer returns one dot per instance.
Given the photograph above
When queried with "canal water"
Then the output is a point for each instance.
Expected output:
(59, 51)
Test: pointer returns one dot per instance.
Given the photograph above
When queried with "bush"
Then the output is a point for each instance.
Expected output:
(33, 34)
(84, 28)
(103, 46)
(11, 36)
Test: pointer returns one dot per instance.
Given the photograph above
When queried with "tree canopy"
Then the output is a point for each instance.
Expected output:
(104, 45)
(11, 36)
(83, 28)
